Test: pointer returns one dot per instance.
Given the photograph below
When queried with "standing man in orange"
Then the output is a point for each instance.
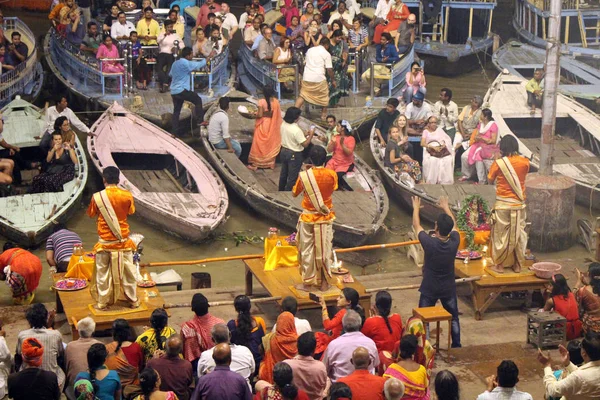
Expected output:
(315, 225)
(508, 238)
(114, 269)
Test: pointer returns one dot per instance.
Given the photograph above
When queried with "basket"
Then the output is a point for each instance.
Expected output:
(247, 111)
(545, 270)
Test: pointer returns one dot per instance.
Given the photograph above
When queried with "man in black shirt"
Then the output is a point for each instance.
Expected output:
(438, 268)
(18, 50)
(33, 382)
(385, 120)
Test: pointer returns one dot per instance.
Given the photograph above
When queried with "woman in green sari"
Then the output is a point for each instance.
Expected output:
(339, 59)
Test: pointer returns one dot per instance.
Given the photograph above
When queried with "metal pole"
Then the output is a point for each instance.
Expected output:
(550, 88)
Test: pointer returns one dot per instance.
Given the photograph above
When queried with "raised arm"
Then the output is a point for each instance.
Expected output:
(416, 219)
(443, 204)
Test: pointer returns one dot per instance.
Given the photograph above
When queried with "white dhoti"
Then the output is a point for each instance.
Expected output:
(315, 251)
(508, 237)
(114, 271)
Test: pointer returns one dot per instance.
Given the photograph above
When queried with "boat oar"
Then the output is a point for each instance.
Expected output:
(253, 256)
(220, 303)
(418, 285)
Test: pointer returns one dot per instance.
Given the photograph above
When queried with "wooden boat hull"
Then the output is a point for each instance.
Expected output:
(453, 60)
(174, 188)
(577, 140)
(429, 194)
(283, 209)
(29, 219)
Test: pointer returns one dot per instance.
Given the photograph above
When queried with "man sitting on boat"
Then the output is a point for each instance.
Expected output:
(92, 39)
(75, 30)
(121, 29)
(447, 111)
(385, 119)
(508, 237)
(315, 225)
(218, 130)
(61, 109)
(385, 52)
(17, 49)
(405, 35)
(535, 89)
(417, 113)
(114, 268)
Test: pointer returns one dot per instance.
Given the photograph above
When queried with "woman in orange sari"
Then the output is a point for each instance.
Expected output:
(22, 272)
(267, 137)
(398, 13)
(124, 357)
(279, 345)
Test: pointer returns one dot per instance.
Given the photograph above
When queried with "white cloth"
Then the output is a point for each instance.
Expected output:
(345, 16)
(416, 113)
(167, 42)
(501, 393)
(438, 170)
(302, 326)
(383, 8)
(439, 110)
(317, 61)
(353, 8)
(230, 21)
(218, 127)
(292, 137)
(243, 20)
(242, 362)
(582, 383)
(52, 114)
(5, 364)
(117, 29)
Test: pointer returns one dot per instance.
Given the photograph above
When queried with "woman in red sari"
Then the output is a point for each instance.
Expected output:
(563, 301)
(348, 300)
(398, 13)
(266, 142)
(22, 272)
(279, 345)
(383, 328)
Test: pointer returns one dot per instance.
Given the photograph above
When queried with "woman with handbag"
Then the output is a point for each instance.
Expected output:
(438, 155)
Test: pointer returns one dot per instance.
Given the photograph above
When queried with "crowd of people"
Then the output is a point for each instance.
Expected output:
(12, 50)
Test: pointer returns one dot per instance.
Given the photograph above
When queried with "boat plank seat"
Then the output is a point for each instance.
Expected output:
(153, 181)
(457, 192)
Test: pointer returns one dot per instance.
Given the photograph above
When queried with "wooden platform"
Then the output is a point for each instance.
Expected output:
(76, 304)
(488, 288)
(280, 281)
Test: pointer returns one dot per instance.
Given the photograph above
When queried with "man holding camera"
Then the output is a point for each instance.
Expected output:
(17, 49)
(169, 44)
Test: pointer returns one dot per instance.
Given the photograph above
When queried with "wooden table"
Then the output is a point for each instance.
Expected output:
(488, 288)
(75, 305)
(279, 281)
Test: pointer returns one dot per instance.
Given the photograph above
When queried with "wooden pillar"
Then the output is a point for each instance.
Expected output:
(567, 27)
(446, 25)
(543, 27)
(490, 23)
(470, 22)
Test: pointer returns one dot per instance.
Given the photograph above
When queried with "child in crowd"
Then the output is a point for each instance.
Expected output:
(141, 72)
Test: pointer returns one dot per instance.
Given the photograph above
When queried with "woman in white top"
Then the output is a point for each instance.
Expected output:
(283, 53)
(438, 154)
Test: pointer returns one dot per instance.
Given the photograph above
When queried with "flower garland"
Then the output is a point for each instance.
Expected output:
(473, 216)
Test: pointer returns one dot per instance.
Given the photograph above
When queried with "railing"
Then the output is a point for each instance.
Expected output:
(80, 65)
(396, 75)
(267, 73)
(215, 70)
(26, 73)
(356, 61)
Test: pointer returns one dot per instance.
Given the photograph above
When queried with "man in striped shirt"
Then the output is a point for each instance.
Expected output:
(59, 248)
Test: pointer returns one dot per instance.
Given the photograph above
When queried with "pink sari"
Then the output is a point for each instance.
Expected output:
(109, 66)
(482, 151)
(288, 11)
(266, 142)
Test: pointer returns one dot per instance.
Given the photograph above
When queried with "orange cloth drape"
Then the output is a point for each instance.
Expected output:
(328, 183)
(503, 189)
(122, 202)
(266, 142)
(279, 346)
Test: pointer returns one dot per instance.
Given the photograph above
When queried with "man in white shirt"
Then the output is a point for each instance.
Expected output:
(353, 8)
(447, 112)
(582, 383)
(229, 20)
(343, 15)
(167, 40)
(121, 29)
(244, 16)
(502, 385)
(314, 83)
(242, 360)
(52, 113)
(381, 12)
(290, 304)
(218, 130)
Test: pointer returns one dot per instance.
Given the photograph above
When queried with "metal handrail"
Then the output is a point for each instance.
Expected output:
(14, 82)
(216, 67)
(264, 71)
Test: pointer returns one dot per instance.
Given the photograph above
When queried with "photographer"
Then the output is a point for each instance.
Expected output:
(17, 49)
(168, 43)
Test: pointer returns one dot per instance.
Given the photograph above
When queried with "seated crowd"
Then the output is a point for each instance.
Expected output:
(355, 357)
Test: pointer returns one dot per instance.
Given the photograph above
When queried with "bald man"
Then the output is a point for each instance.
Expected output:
(176, 374)
(393, 389)
(361, 382)
(222, 383)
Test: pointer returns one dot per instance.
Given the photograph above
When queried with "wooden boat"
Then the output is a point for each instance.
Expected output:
(82, 75)
(28, 219)
(578, 79)
(173, 186)
(27, 79)
(360, 107)
(577, 138)
(403, 189)
(453, 40)
(359, 214)
(579, 27)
